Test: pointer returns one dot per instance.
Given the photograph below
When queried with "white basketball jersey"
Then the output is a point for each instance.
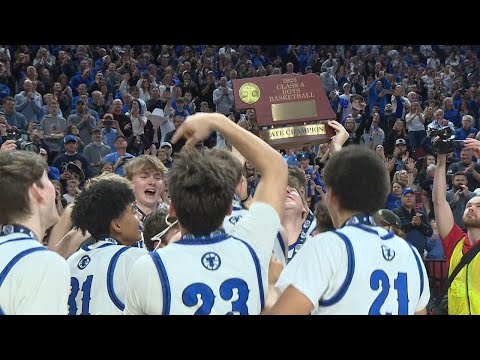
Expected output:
(308, 226)
(98, 278)
(230, 220)
(359, 270)
(33, 279)
(218, 275)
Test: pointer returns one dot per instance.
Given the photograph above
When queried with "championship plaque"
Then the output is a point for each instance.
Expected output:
(291, 110)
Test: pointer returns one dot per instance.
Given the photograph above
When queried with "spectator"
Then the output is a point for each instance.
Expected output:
(466, 165)
(96, 151)
(120, 157)
(71, 155)
(28, 103)
(414, 221)
(13, 117)
(83, 120)
(434, 243)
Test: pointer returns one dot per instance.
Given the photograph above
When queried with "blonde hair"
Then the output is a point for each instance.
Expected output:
(144, 163)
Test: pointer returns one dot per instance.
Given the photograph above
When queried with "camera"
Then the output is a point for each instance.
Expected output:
(21, 143)
(108, 122)
(446, 140)
(12, 135)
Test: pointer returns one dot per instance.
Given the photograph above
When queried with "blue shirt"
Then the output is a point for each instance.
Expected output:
(108, 137)
(113, 157)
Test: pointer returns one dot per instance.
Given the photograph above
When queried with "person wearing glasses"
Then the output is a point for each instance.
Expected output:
(99, 269)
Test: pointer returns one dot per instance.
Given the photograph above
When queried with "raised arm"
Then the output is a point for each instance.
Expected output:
(271, 189)
(443, 213)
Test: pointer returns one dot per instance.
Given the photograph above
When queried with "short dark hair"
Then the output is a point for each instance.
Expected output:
(201, 188)
(18, 171)
(358, 179)
(153, 224)
(356, 97)
(99, 204)
(461, 173)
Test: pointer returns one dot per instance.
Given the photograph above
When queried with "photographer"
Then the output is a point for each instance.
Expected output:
(21, 142)
(464, 292)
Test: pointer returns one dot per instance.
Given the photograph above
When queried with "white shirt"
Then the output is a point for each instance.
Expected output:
(38, 283)
(237, 213)
(359, 270)
(219, 274)
(99, 278)
(137, 122)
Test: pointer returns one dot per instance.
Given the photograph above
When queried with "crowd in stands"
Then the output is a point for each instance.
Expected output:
(91, 109)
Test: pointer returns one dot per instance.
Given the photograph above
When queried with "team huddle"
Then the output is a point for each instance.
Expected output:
(216, 248)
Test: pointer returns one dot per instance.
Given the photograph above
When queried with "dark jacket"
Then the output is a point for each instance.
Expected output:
(416, 235)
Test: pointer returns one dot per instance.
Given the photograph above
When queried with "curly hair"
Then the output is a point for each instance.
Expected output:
(99, 204)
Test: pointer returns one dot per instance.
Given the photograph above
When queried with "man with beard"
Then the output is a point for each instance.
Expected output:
(458, 196)
(464, 292)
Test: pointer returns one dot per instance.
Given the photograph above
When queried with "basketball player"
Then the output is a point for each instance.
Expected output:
(209, 271)
(359, 268)
(33, 280)
(99, 271)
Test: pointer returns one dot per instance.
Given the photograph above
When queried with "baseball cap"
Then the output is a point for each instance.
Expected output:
(408, 190)
(71, 166)
(387, 217)
(400, 142)
(69, 138)
(165, 143)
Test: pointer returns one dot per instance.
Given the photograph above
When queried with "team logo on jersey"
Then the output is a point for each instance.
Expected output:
(211, 261)
(388, 254)
(234, 219)
(84, 261)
